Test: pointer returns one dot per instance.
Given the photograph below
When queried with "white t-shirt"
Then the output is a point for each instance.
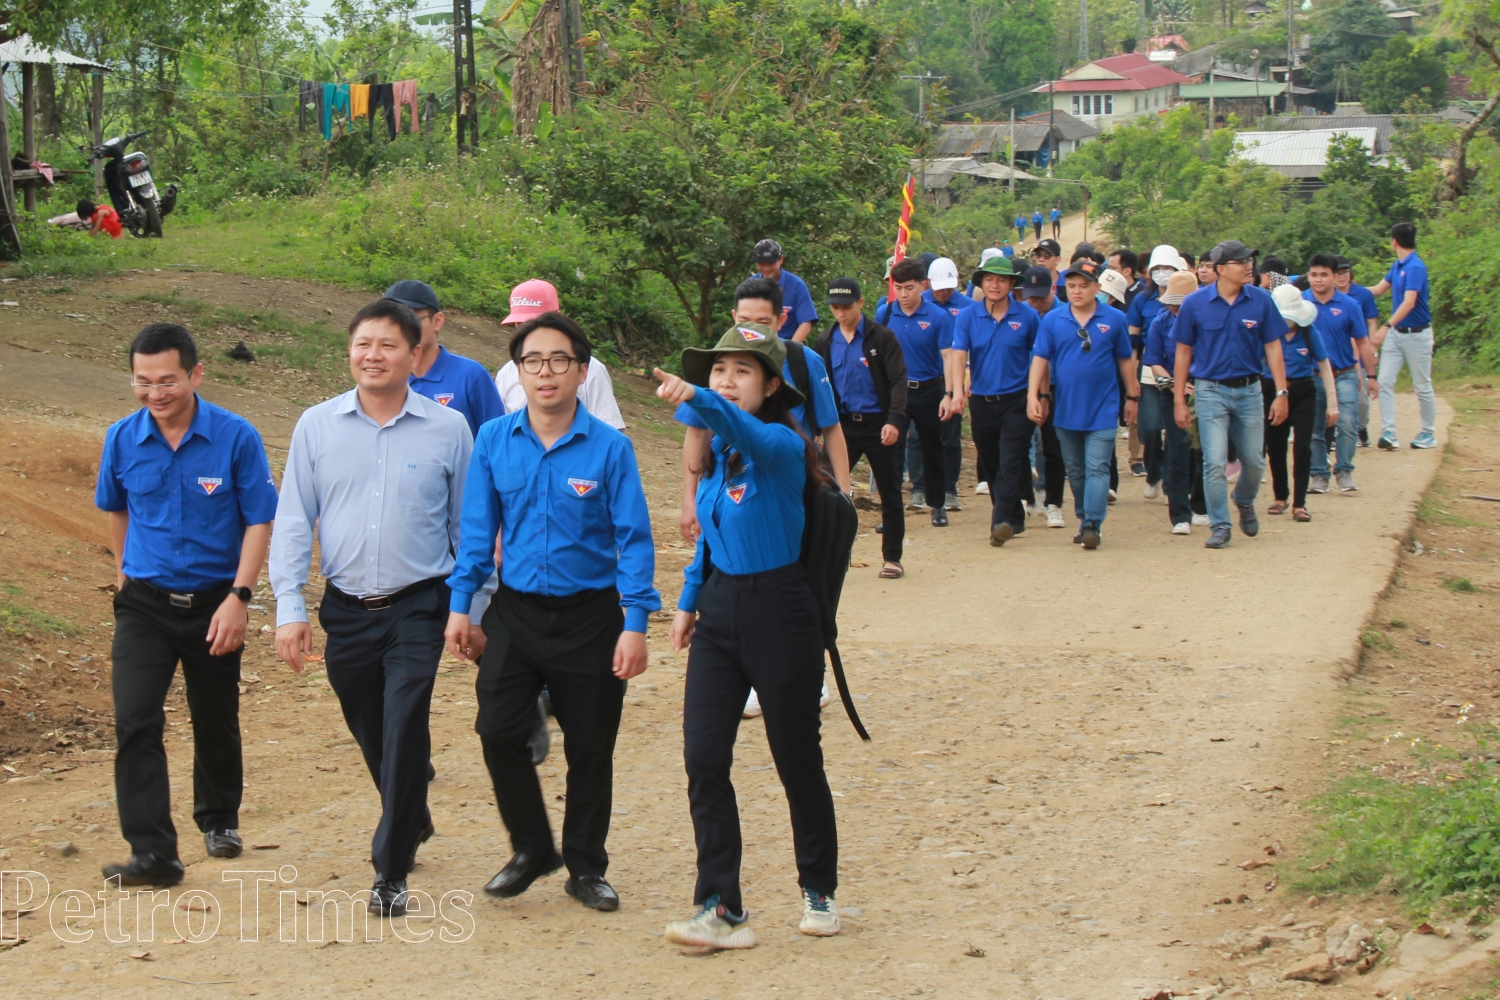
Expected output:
(597, 393)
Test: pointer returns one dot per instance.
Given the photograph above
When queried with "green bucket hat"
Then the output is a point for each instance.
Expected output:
(999, 264)
(742, 338)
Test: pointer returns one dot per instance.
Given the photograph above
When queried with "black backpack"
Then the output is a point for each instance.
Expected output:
(797, 361)
(827, 544)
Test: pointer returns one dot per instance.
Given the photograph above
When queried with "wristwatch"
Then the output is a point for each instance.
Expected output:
(1044, 395)
(1281, 394)
(243, 593)
(1133, 399)
(948, 394)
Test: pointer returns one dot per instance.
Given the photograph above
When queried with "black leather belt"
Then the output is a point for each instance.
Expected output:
(381, 602)
(1236, 383)
(860, 418)
(1341, 371)
(1411, 329)
(914, 384)
(198, 599)
(1001, 398)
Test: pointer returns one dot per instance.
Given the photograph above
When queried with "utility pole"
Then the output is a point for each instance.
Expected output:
(573, 35)
(1290, 51)
(466, 115)
(922, 81)
(1211, 93)
(1052, 124)
(1012, 180)
(1142, 39)
(1083, 31)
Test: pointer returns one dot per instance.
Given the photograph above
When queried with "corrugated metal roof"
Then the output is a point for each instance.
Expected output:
(989, 138)
(22, 50)
(1131, 71)
(1231, 90)
(1074, 129)
(1383, 125)
(1296, 153)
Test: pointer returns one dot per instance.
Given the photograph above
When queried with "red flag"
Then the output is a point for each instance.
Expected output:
(903, 230)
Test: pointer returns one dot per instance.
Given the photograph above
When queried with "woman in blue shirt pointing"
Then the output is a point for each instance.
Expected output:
(752, 621)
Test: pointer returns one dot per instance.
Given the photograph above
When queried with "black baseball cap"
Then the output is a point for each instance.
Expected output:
(413, 295)
(1085, 266)
(1341, 263)
(926, 258)
(767, 252)
(1048, 246)
(1036, 283)
(1231, 250)
(844, 292)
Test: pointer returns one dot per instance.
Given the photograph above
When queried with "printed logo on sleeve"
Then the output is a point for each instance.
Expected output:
(209, 485)
(736, 493)
(443, 397)
(750, 334)
(583, 487)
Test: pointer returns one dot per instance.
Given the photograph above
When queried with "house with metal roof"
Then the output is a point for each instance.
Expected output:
(1107, 91)
(1299, 155)
(990, 141)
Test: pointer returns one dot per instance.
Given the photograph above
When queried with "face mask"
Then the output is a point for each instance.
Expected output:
(1161, 276)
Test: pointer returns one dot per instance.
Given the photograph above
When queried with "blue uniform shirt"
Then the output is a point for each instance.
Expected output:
(1007, 252)
(1056, 214)
(1366, 300)
(1036, 218)
(957, 302)
(1339, 321)
(188, 508)
(1144, 307)
(1410, 275)
(1228, 341)
(461, 384)
(999, 349)
(1302, 353)
(1021, 223)
(796, 304)
(1086, 384)
(924, 335)
(752, 517)
(1161, 346)
(572, 517)
(824, 412)
(851, 372)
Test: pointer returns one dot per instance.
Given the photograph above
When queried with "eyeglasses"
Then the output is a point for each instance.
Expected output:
(533, 364)
(165, 388)
(1088, 344)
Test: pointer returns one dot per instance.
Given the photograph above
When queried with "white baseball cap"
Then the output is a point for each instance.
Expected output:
(986, 254)
(942, 273)
(1114, 285)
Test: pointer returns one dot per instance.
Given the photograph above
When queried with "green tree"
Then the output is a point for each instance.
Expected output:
(1400, 72)
(1344, 37)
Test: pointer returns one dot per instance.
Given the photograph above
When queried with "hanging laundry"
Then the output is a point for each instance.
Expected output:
(309, 104)
(405, 92)
(325, 113)
(359, 101)
(383, 102)
(341, 99)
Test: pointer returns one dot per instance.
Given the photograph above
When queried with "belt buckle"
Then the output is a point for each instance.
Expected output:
(180, 600)
(912, 383)
(858, 418)
(376, 603)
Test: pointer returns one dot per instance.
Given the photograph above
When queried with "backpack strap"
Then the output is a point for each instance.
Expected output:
(797, 361)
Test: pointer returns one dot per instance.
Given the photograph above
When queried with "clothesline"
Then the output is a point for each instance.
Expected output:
(357, 100)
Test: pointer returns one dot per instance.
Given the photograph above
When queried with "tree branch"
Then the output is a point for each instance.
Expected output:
(1457, 182)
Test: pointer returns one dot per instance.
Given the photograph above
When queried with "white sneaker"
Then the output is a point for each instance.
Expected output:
(1151, 492)
(820, 915)
(982, 490)
(1182, 529)
(1054, 516)
(710, 928)
(823, 700)
(1201, 520)
(752, 706)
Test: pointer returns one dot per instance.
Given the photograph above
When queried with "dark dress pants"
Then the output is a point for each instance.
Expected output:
(759, 630)
(1176, 460)
(568, 645)
(1301, 418)
(151, 637)
(922, 407)
(1054, 470)
(1002, 434)
(382, 664)
(862, 436)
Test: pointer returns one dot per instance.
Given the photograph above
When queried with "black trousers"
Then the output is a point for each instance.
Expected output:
(1037, 226)
(1177, 457)
(1054, 471)
(734, 650)
(922, 407)
(382, 665)
(151, 637)
(567, 644)
(863, 438)
(1002, 434)
(1301, 397)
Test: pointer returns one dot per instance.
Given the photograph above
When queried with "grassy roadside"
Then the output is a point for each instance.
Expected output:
(1416, 814)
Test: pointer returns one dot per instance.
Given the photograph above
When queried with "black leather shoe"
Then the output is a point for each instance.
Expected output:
(422, 838)
(518, 874)
(939, 517)
(145, 869)
(592, 891)
(388, 897)
(223, 843)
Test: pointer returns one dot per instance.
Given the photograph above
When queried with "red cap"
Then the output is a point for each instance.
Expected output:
(530, 299)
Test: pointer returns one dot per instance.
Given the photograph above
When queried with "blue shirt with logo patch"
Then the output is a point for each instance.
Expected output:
(1086, 384)
(1301, 354)
(957, 302)
(1340, 321)
(461, 384)
(999, 349)
(924, 336)
(1228, 340)
(1410, 275)
(851, 372)
(796, 304)
(824, 413)
(188, 508)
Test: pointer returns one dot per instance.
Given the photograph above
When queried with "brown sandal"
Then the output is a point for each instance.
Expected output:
(1301, 514)
(1279, 507)
(892, 571)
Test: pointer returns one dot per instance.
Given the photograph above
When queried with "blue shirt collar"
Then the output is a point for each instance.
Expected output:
(922, 306)
(202, 425)
(439, 367)
(579, 428)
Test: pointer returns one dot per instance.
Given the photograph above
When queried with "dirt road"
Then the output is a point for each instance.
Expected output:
(1073, 753)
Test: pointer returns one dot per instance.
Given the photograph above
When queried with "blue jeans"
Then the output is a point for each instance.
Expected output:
(1228, 413)
(1347, 386)
(1086, 455)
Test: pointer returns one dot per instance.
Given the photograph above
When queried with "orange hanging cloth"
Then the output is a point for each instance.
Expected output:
(359, 101)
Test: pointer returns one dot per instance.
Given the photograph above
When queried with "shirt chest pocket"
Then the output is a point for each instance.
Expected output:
(150, 498)
(209, 495)
(423, 486)
(580, 503)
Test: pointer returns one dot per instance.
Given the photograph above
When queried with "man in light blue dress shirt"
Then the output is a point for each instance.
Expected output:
(379, 474)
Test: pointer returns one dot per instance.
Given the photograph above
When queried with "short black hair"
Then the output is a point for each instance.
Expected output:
(158, 338)
(1128, 258)
(1275, 265)
(85, 208)
(395, 312)
(909, 270)
(1405, 235)
(760, 288)
(564, 325)
(1187, 257)
(1327, 260)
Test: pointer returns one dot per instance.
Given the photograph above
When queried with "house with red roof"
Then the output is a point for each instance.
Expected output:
(1111, 90)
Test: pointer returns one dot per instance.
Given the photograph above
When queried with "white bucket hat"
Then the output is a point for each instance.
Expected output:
(1293, 307)
(1166, 256)
(942, 273)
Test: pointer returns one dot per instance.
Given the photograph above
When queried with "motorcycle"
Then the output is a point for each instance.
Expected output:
(127, 178)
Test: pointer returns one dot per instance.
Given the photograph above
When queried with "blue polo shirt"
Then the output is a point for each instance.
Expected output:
(188, 508)
(1410, 275)
(796, 304)
(957, 302)
(851, 372)
(1007, 252)
(1340, 320)
(924, 335)
(1086, 384)
(461, 384)
(999, 349)
(824, 413)
(1228, 341)
(1301, 354)
(1161, 347)
(1366, 300)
